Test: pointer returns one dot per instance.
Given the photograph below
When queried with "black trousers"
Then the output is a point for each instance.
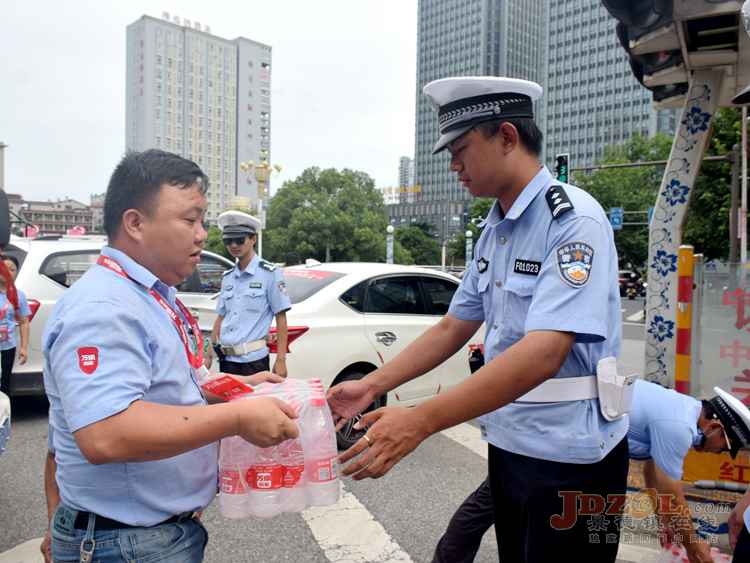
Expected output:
(7, 357)
(462, 539)
(742, 550)
(533, 504)
(245, 368)
(545, 510)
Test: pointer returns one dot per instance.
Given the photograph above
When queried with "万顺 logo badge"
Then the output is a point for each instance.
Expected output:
(482, 264)
(574, 261)
(88, 359)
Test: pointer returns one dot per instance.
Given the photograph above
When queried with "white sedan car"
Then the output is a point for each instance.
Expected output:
(347, 319)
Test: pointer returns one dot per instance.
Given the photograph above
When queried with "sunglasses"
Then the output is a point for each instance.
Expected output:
(239, 241)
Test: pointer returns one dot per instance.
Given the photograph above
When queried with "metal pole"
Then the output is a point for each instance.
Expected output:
(389, 244)
(3, 146)
(469, 247)
(734, 211)
(743, 209)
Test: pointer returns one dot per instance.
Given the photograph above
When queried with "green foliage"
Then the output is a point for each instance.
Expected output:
(215, 243)
(419, 243)
(635, 189)
(328, 215)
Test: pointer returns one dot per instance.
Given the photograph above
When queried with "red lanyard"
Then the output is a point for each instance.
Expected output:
(195, 359)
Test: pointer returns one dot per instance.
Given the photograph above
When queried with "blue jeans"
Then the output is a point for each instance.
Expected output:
(181, 542)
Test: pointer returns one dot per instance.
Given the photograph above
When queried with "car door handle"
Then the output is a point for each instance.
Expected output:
(385, 338)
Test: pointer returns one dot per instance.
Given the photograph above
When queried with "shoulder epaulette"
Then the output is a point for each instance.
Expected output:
(268, 266)
(558, 201)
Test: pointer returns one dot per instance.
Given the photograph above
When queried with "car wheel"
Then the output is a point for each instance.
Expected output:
(347, 436)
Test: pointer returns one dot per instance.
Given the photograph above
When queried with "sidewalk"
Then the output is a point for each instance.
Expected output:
(27, 552)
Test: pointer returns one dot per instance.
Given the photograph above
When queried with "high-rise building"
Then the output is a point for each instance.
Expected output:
(407, 189)
(592, 98)
(466, 38)
(200, 96)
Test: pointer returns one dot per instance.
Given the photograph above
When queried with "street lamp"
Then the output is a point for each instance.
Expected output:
(469, 249)
(389, 244)
(262, 171)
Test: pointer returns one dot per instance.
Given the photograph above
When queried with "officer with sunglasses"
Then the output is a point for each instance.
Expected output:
(253, 294)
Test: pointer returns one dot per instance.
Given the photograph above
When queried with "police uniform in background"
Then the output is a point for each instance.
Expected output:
(250, 299)
(547, 264)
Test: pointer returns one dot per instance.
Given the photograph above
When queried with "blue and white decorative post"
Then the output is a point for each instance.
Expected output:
(665, 231)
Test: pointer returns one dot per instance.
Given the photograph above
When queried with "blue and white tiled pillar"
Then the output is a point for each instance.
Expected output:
(665, 232)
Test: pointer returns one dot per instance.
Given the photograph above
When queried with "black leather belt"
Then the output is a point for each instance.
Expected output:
(104, 523)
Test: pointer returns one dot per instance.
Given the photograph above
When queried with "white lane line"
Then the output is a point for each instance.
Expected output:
(635, 317)
(468, 436)
(348, 533)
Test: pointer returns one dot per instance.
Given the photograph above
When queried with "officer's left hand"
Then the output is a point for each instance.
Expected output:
(393, 433)
(279, 367)
(23, 355)
(736, 521)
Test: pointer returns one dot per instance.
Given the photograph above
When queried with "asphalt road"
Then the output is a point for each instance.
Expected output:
(406, 511)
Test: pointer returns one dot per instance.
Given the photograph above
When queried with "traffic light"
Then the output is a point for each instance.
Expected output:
(561, 167)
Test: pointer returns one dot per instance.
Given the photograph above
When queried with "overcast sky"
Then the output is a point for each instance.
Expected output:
(343, 85)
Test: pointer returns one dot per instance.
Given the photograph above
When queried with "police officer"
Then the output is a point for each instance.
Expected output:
(252, 294)
(664, 425)
(544, 281)
(135, 445)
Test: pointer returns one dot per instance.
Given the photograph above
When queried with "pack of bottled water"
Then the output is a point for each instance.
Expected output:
(263, 482)
(673, 553)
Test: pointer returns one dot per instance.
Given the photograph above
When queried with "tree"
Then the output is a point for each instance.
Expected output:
(635, 189)
(420, 244)
(328, 215)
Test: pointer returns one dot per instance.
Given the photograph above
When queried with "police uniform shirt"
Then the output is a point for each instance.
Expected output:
(8, 318)
(663, 426)
(107, 344)
(249, 301)
(532, 271)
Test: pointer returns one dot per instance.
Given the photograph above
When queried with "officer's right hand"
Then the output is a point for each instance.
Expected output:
(266, 421)
(348, 399)
(736, 519)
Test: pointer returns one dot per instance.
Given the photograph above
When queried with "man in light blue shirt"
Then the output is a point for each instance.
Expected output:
(544, 281)
(134, 442)
(253, 293)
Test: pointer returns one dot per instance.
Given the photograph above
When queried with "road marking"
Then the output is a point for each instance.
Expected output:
(635, 317)
(468, 436)
(348, 533)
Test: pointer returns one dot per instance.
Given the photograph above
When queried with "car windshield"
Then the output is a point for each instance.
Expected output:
(302, 284)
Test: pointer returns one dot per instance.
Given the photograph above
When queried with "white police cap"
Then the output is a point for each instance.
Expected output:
(236, 223)
(734, 416)
(463, 102)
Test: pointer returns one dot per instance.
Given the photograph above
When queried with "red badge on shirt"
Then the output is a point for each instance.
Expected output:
(88, 359)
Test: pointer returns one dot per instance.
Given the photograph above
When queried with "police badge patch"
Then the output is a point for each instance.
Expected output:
(574, 261)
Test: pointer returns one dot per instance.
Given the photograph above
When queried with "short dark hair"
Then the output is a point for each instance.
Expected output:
(11, 258)
(137, 179)
(530, 135)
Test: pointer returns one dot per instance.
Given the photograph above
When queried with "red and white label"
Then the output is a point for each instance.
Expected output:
(230, 482)
(226, 387)
(292, 475)
(322, 470)
(265, 477)
(88, 359)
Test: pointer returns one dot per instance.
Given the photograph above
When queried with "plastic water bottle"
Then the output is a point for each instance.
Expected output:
(293, 493)
(235, 459)
(319, 441)
(265, 479)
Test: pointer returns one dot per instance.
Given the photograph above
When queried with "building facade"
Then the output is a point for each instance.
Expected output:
(200, 96)
(465, 38)
(56, 217)
(592, 98)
